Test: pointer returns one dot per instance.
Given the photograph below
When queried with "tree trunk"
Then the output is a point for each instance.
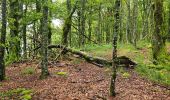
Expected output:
(99, 35)
(67, 26)
(14, 30)
(49, 26)
(2, 41)
(90, 24)
(158, 44)
(44, 41)
(135, 24)
(169, 22)
(115, 38)
(128, 33)
(24, 37)
(83, 2)
(69, 11)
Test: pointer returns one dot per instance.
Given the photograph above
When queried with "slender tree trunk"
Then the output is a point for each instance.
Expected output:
(129, 34)
(83, 2)
(146, 11)
(90, 24)
(2, 41)
(44, 41)
(169, 22)
(79, 27)
(135, 20)
(121, 25)
(37, 27)
(108, 24)
(115, 38)
(49, 26)
(24, 37)
(69, 11)
(99, 36)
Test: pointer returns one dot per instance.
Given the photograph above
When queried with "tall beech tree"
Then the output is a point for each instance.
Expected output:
(115, 38)
(44, 40)
(2, 41)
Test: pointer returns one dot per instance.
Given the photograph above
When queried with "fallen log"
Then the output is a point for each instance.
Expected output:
(122, 60)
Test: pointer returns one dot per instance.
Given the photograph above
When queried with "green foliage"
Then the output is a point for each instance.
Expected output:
(17, 94)
(155, 73)
(28, 71)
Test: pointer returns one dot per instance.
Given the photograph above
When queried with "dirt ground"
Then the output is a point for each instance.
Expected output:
(84, 81)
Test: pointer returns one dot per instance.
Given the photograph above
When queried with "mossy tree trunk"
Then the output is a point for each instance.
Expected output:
(158, 40)
(44, 41)
(2, 41)
(14, 30)
(67, 26)
(115, 38)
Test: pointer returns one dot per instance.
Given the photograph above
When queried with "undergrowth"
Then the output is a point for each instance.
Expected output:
(156, 73)
(17, 94)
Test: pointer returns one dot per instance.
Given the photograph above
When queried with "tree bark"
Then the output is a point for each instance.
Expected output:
(2, 41)
(67, 26)
(44, 40)
(24, 33)
(115, 38)
(14, 30)
(158, 42)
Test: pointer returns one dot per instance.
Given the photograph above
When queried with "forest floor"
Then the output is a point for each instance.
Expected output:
(75, 79)
(79, 80)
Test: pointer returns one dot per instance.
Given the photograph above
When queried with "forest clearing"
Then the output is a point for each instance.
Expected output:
(85, 50)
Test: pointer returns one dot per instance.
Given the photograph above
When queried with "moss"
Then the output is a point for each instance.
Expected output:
(126, 75)
(62, 73)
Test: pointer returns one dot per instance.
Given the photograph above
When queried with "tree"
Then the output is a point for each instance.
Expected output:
(158, 39)
(44, 40)
(115, 38)
(82, 22)
(14, 30)
(2, 41)
(67, 26)
(24, 30)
